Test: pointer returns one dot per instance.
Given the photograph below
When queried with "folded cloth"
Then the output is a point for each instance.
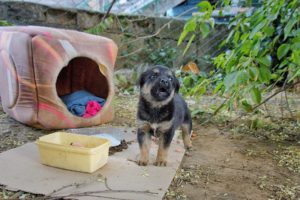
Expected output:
(76, 102)
(91, 109)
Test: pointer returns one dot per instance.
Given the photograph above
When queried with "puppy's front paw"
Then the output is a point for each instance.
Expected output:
(161, 163)
(143, 162)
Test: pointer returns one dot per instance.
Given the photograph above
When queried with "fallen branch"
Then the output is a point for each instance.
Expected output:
(97, 193)
(283, 89)
(108, 191)
(215, 112)
(274, 94)
(268, 98)
(106, 184)
(131, 53)
(105, 197)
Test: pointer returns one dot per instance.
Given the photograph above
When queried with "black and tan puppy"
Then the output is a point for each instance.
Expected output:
(161, 110)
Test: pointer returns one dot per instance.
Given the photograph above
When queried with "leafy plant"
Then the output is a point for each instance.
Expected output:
(201, 21)
(5, 23)
(101, 27)
(162, 55)
(263, 49)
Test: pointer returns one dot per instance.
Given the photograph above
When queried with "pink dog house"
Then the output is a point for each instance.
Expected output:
(39, 64)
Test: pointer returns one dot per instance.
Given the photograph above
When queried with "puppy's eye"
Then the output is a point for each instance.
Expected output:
(152, 77)
(170, 78)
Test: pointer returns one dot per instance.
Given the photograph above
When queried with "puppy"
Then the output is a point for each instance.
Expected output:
(161, 110)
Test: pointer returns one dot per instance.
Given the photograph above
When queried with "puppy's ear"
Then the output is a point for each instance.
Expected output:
(177, 84)
(141, 80)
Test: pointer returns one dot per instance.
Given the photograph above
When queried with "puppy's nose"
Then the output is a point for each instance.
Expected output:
(164, 82)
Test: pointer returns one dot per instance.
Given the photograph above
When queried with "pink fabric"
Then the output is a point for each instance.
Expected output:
(91, 109)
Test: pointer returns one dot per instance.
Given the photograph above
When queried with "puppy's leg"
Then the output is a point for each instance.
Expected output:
(186, 129)
(144, 139)
(164, 144)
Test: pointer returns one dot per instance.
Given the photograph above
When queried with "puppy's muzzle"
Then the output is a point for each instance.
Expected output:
(164, 83)
(164, 86)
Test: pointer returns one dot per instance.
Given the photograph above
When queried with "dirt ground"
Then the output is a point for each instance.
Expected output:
(224, 164)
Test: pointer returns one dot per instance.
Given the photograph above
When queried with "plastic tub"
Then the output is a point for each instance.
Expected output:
(73, 151)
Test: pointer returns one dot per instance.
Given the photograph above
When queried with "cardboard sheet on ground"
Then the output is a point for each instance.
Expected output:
(121, 177)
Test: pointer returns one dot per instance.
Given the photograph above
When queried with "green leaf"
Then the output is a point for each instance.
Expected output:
(204, 6)
(236, 37)
(255, 48)
(187, 81)
(200, 90)
(268, 30)
(275, 40)
(289, 26)
(283, 50)
(226, 2)
(297, 37)
(295, 57)
(244, 36)
(258, 27)
(204, 28)
(182, 36)
(264, 74)
(230, 80)
(200, 87)
(218, 87)
(242, 77)
(249, 3)
(283, 64)
(296, 46)
(296, 74)
(253, 73)
(255, 95)
(246, 106)
(266, 60)
(211, 22)
(190, 25)
(229, 36)
(189, 43)
(246, 47)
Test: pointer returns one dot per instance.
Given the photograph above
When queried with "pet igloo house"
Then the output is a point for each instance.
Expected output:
(38, 65)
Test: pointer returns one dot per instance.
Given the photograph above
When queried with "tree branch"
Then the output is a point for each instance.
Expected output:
(108, 11)
(158, 31)
(277, 92)
(93, 193)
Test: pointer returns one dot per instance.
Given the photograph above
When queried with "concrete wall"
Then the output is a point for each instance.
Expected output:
(140, 39)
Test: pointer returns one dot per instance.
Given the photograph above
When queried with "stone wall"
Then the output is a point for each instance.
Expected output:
(140, 39)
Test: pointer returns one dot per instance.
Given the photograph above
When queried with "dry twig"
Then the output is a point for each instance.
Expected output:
(97, 193)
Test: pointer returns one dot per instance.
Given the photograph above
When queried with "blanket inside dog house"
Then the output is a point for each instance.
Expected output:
(39, 65)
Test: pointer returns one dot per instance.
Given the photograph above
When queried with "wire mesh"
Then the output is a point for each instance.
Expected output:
(141, 39)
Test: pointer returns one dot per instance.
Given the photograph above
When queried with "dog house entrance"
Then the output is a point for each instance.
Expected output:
(82, 86)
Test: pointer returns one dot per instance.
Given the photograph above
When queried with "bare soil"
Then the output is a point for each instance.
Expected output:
(222, 165)
(226, 166)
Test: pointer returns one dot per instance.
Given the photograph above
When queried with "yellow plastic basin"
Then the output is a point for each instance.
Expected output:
(73, 151)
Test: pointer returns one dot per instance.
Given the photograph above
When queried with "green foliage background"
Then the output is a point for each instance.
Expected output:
(263, 50)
